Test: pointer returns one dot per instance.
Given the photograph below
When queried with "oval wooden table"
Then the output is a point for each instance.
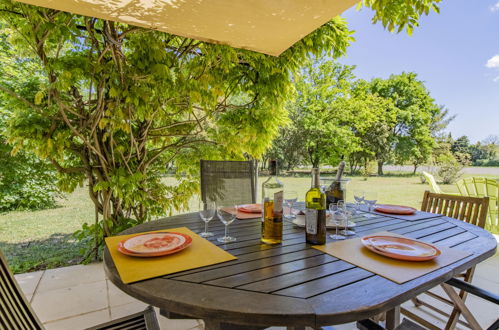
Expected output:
(292, 284)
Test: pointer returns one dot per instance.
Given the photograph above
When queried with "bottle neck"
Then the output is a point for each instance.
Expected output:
(273, 168)
(315, 178)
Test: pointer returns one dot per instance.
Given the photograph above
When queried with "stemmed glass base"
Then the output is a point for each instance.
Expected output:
(206, 234)
(347, 232)
(226, 239)
(336, 236)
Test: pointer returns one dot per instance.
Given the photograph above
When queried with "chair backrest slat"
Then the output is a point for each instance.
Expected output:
(479, 187)
(233, 182)
(469, 209)
(15, 311)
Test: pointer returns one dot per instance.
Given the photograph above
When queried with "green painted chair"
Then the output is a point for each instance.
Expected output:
(434, 185)
(432, 182)
(480, 187)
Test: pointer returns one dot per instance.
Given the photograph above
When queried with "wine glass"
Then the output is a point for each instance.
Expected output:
(338, 215)
(206, 213)
(359, 196)
(290, 197)
(324, 184)
(370, 198)
(227, 214)
(348, 215)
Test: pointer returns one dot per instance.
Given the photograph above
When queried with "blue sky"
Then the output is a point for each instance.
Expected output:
(452, 52)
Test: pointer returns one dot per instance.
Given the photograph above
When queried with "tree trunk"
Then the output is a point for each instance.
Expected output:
(415, 168)
(380, 167)
(315, 162)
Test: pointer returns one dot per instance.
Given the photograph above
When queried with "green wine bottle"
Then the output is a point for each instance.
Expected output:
(315, 213)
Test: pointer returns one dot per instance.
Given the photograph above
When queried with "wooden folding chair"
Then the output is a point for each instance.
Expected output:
(17, 314)
(468, 209)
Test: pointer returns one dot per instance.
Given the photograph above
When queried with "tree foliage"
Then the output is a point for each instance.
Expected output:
(383, 120)
(26, 182)
(415, 111)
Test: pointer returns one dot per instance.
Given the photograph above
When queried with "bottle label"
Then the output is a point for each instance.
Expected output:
(278, 198)
(311, 221)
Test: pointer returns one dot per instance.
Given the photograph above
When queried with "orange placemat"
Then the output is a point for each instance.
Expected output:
(399, 271)
(132, 269)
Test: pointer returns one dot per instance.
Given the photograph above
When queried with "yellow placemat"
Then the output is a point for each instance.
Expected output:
(199, 254)
(399, 271)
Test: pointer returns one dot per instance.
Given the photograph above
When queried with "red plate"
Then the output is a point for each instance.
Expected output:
(250, 208)
(155, 244)
(401, 248)
(395, 209)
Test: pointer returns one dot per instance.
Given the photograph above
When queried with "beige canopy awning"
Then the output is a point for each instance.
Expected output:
(265, 26)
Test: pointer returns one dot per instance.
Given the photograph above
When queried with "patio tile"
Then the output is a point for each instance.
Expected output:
(127, 309)
(166, 323)
(76, 300)
(80, 322)
(118, 297)
(67, 277)
(29, 281)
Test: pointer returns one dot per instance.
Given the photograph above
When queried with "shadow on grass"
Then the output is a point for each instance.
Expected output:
(58, 250)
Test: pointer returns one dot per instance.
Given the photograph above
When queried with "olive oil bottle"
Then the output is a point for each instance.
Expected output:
(315, 213)
(272, 193)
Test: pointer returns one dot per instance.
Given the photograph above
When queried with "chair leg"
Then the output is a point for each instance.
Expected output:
(461, 306)
(454, 315)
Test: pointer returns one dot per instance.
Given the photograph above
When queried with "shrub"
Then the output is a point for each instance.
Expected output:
(487, 162)
(449, 169)
(26, 182)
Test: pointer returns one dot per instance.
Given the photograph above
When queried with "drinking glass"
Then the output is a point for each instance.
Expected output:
(338, 216)
(348, 215)
(290, 198)
(206, 213)
(359, 196)
(370, 198)
(227, 214)
(324, 184)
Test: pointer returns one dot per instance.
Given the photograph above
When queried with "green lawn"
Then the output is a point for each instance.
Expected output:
(42, 239)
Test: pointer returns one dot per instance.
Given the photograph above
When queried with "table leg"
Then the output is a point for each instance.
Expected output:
(393, 318)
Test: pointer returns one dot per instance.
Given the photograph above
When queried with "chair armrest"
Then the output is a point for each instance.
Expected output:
(474, 290)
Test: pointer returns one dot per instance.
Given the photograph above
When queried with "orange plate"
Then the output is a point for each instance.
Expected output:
(401, 248)
(395, 209)
(250, 208)
(149, 244)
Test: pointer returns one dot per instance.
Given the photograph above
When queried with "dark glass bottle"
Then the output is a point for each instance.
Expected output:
(335, 192)
(315, 213)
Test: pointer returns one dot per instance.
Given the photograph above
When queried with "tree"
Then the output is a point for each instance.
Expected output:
(491, 145)
(115, 103)
(415, 111)
(321, 112)
(375, 140)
